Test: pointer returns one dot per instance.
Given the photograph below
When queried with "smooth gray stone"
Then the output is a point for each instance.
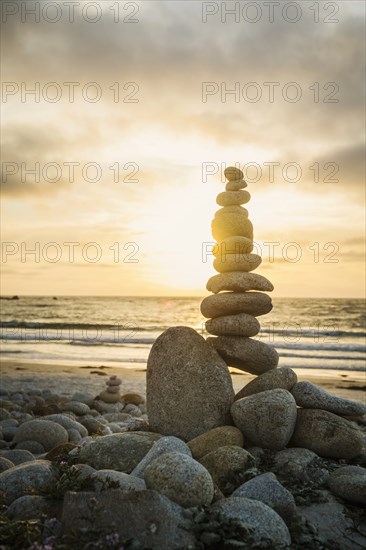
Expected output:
(165, 445)
(240, 324)
(269, 490)
(189, 387)
(229, 303)
(326, 434)
(295, 463)
(45, 432)
(226, 465)
(245, 353)
(349, 483)
(267, 419)
(17, 456)
(180, 478)
(5, 464)
(237, 262)
(232, 173)
(214, 439)
(282, 377)
(151, 519)
(310, 396)
(121, 452)
(236, 185)
(237, 281)
(267, 524)
(25, 479)
(231, 225)
(229, 198)
(33, 507)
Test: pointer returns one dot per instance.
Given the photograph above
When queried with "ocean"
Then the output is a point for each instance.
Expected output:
(119, 331)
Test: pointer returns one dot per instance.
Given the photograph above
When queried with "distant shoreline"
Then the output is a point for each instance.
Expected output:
(20, 375)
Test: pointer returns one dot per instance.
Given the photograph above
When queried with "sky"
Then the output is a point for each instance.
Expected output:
(118, 119)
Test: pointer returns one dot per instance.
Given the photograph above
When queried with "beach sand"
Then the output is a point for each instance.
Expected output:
(66, 379)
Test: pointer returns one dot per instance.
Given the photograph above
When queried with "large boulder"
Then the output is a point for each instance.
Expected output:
(189, 388)
(151, 519)
(326, 434)
(267, 525)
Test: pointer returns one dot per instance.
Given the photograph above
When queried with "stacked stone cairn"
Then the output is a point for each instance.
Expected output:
(278, 465)
(239, 296)
(112, 392)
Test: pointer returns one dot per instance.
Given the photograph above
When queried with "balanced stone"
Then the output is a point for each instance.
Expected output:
(233, 174)
(109, 397)
(236, 185)
(214, 439)
(326, 434)
(267, 419)
(229, 303)
(240, 324)
(229, 198)
(237, 262)
(232, 245)
(189, 388)
(245, 354)
(114, 381)
(233, 209)
(231, 225)
(113, 389)
(310, 396)
(283, 377)
(238, 282)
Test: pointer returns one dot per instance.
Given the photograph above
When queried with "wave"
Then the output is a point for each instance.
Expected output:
(321, 357)
(129, 326)
(314, 333)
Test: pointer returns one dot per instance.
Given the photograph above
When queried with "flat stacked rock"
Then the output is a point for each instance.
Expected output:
(111, 394)
(239, 295)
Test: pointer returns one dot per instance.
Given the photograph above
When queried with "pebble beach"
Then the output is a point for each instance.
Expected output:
(212, 443)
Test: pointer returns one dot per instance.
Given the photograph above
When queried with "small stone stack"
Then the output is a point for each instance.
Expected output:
(233, 314)
(111, 394)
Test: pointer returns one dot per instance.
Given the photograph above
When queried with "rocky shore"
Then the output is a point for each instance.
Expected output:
(279, 463)
(82, 472)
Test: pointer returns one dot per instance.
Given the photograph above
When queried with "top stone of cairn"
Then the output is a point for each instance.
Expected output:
(233, 174)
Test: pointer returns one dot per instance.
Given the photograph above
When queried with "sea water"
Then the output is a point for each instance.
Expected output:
(119, 331)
